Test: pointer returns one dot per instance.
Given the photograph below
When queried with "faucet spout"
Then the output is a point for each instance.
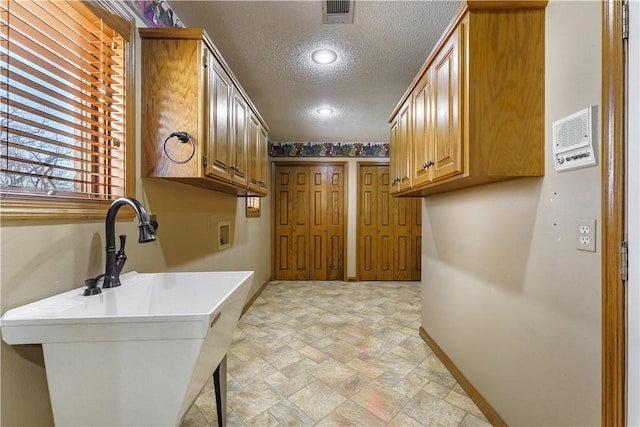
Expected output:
(147, 234)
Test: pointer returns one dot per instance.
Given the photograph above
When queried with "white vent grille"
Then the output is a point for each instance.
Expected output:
(573, 131)
(337, 11)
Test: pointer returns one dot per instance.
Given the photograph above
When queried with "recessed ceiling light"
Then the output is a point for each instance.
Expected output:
(324, 56)
(325, 111)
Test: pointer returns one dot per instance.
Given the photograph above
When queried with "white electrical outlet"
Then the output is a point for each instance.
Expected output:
(586, 235)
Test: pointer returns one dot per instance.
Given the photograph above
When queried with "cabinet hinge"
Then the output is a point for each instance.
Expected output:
(625, 20)
(205, 160)
(624, 268)
(205, 60)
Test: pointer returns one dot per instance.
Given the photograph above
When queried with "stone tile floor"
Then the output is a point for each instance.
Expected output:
(336, 354)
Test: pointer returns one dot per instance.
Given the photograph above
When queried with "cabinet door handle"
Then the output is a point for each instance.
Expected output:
(427, 165)
(234, 168)
(261, 182)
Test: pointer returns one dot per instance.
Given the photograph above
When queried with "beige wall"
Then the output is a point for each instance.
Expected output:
(43, 258)
(505, 292)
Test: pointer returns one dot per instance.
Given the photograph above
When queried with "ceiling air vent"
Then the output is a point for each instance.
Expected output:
(337, 11)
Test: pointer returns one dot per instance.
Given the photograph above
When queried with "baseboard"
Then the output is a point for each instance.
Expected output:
(253, 298)
(474, 394)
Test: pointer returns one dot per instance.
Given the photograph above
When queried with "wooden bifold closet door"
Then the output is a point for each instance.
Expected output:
(309, 222)
(389, 229)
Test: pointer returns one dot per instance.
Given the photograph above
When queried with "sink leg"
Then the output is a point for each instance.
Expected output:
(220, 386)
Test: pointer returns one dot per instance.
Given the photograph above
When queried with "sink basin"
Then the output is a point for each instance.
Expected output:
(137, 354)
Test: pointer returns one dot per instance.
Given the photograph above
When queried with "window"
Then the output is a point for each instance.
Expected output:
(253, 207)
(63, 126)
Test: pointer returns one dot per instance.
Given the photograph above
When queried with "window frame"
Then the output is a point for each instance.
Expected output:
(16, 207)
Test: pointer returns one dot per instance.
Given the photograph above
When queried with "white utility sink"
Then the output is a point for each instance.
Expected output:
(137, 354)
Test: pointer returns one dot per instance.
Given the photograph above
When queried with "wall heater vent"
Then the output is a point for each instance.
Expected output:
(337, 11)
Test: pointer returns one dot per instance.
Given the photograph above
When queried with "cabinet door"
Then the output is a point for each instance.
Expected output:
(447, 85)
(239, 149)
(218, 120)
(169, 67)
(393, 157)
(423, 131)
(263, 160)
(252, 154)
(404, 145)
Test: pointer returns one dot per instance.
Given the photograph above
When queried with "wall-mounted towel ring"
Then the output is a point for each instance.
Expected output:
(182, 137)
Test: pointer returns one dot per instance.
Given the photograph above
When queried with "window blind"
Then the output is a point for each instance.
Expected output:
(62, 92)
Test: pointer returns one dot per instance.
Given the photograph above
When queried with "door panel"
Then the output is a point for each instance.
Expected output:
(239, 165)
(335, 260)
(318, 270)
(300, 255)
(384, 225)
(402, 239)
(335, 221)
(253, 144)
(282, 262)
(385, 271)
(366, 261)
(394, 157)
(423, 130)
(448, 109)
(219, 132)
(404, 145)
(416, 249)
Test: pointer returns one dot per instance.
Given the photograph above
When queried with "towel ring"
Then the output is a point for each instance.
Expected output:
(182, 137)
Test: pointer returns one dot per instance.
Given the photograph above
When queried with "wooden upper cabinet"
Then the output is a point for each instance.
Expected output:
(187, 88)
(477, 104)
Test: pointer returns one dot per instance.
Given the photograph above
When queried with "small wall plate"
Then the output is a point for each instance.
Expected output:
(224, 235)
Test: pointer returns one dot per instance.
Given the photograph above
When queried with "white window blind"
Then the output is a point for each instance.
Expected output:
(62, 93)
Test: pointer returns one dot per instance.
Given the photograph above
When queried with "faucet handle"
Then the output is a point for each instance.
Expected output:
(121, 257)
(92, 286)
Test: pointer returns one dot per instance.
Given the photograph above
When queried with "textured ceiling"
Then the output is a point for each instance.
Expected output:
(268, 46)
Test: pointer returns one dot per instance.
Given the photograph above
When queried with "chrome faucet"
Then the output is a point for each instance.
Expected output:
(147, 234)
